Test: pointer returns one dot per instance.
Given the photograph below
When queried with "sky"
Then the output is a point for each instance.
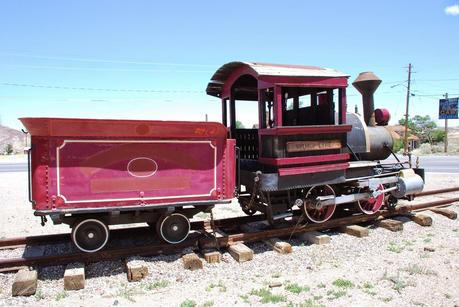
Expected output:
(153, 59)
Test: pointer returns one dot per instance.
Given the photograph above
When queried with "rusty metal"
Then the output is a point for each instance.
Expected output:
(335, 223)
(196, 239)
(123, 232)
(430, 204)
(108, 254)
(367, 83)
(440, 191)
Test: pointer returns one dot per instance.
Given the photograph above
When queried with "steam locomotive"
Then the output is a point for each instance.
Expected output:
(306, 152)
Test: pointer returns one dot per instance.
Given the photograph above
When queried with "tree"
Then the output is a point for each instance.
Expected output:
(9, 149)
(438, 136)
(422, 126)
(398, 145)
(239, 125)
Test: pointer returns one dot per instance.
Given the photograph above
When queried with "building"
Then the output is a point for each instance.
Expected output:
(398, 133)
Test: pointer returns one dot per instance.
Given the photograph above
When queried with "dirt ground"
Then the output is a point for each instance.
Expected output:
(384, 269)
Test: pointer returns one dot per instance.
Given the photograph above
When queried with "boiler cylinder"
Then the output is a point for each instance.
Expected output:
(381, 144)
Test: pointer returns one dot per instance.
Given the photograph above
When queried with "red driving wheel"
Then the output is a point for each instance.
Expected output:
(372, 204)
(316, 212)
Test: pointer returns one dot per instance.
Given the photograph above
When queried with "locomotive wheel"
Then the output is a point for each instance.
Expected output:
(90, 235)
(315, 212)
(173, 228)
(372, 204)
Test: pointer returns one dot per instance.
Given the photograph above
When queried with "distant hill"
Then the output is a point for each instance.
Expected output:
(11, 136)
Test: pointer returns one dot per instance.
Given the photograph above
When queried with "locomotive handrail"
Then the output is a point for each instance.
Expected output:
(29, 173)
(238, 170)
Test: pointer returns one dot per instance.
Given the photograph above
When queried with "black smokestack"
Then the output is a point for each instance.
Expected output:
(367, 83)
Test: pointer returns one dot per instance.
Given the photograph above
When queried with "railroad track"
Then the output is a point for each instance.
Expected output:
(202, 239)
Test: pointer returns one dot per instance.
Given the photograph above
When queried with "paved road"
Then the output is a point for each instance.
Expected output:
(13, 167)
(440, 164)
(433, 164)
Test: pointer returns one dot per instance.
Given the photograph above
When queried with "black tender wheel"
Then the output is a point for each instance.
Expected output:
(173, 228)
(90, 235)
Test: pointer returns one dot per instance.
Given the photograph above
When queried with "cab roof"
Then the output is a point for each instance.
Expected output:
(260, 70)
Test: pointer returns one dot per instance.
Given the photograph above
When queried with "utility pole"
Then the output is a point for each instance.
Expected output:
(405, 149)
(446, 129)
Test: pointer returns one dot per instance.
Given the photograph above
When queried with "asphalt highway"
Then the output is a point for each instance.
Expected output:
(440, 164)
(432, 164)
(13, 167)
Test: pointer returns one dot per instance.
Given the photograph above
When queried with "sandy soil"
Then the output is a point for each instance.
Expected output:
(384, 269)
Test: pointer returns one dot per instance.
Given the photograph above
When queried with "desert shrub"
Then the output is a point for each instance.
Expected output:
(424, 149)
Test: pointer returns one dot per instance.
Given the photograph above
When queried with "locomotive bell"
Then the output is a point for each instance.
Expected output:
(367, 83)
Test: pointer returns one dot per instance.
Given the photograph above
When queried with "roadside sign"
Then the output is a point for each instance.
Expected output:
(448, 108)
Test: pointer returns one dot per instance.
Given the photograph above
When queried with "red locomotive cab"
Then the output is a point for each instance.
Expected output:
(302, 130)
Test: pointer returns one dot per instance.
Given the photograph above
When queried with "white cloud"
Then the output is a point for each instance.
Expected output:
(452, 10)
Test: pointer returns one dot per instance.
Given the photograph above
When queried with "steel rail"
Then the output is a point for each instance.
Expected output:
(107, 254)
(439, 191)
(197, 240)
(335, 223)
(125, 232)
(134, 231)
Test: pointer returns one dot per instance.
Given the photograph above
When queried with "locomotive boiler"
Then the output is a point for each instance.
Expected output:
(306, 152)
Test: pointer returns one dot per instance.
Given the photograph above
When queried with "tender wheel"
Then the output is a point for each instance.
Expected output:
(372, 204)
(314, 210)
(90, 235)
(173, 228)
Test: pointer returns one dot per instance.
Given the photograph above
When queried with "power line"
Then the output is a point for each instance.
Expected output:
(79, 68)
(78, 59)
(98, 89)
(436, 80)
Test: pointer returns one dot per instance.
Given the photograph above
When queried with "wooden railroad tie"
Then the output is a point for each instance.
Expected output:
(136, 270)
(192, 262)
(212, 256)
(389, 224)
(314, 237)
(74, 277)
(240, 252)
(445, 212)
(420, 219)
(279, 245)
(25, 283)
(355, 230)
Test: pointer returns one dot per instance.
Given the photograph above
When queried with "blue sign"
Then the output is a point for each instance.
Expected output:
(448, 108)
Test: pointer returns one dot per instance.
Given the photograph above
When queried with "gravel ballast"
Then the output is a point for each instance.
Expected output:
(417, 266)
